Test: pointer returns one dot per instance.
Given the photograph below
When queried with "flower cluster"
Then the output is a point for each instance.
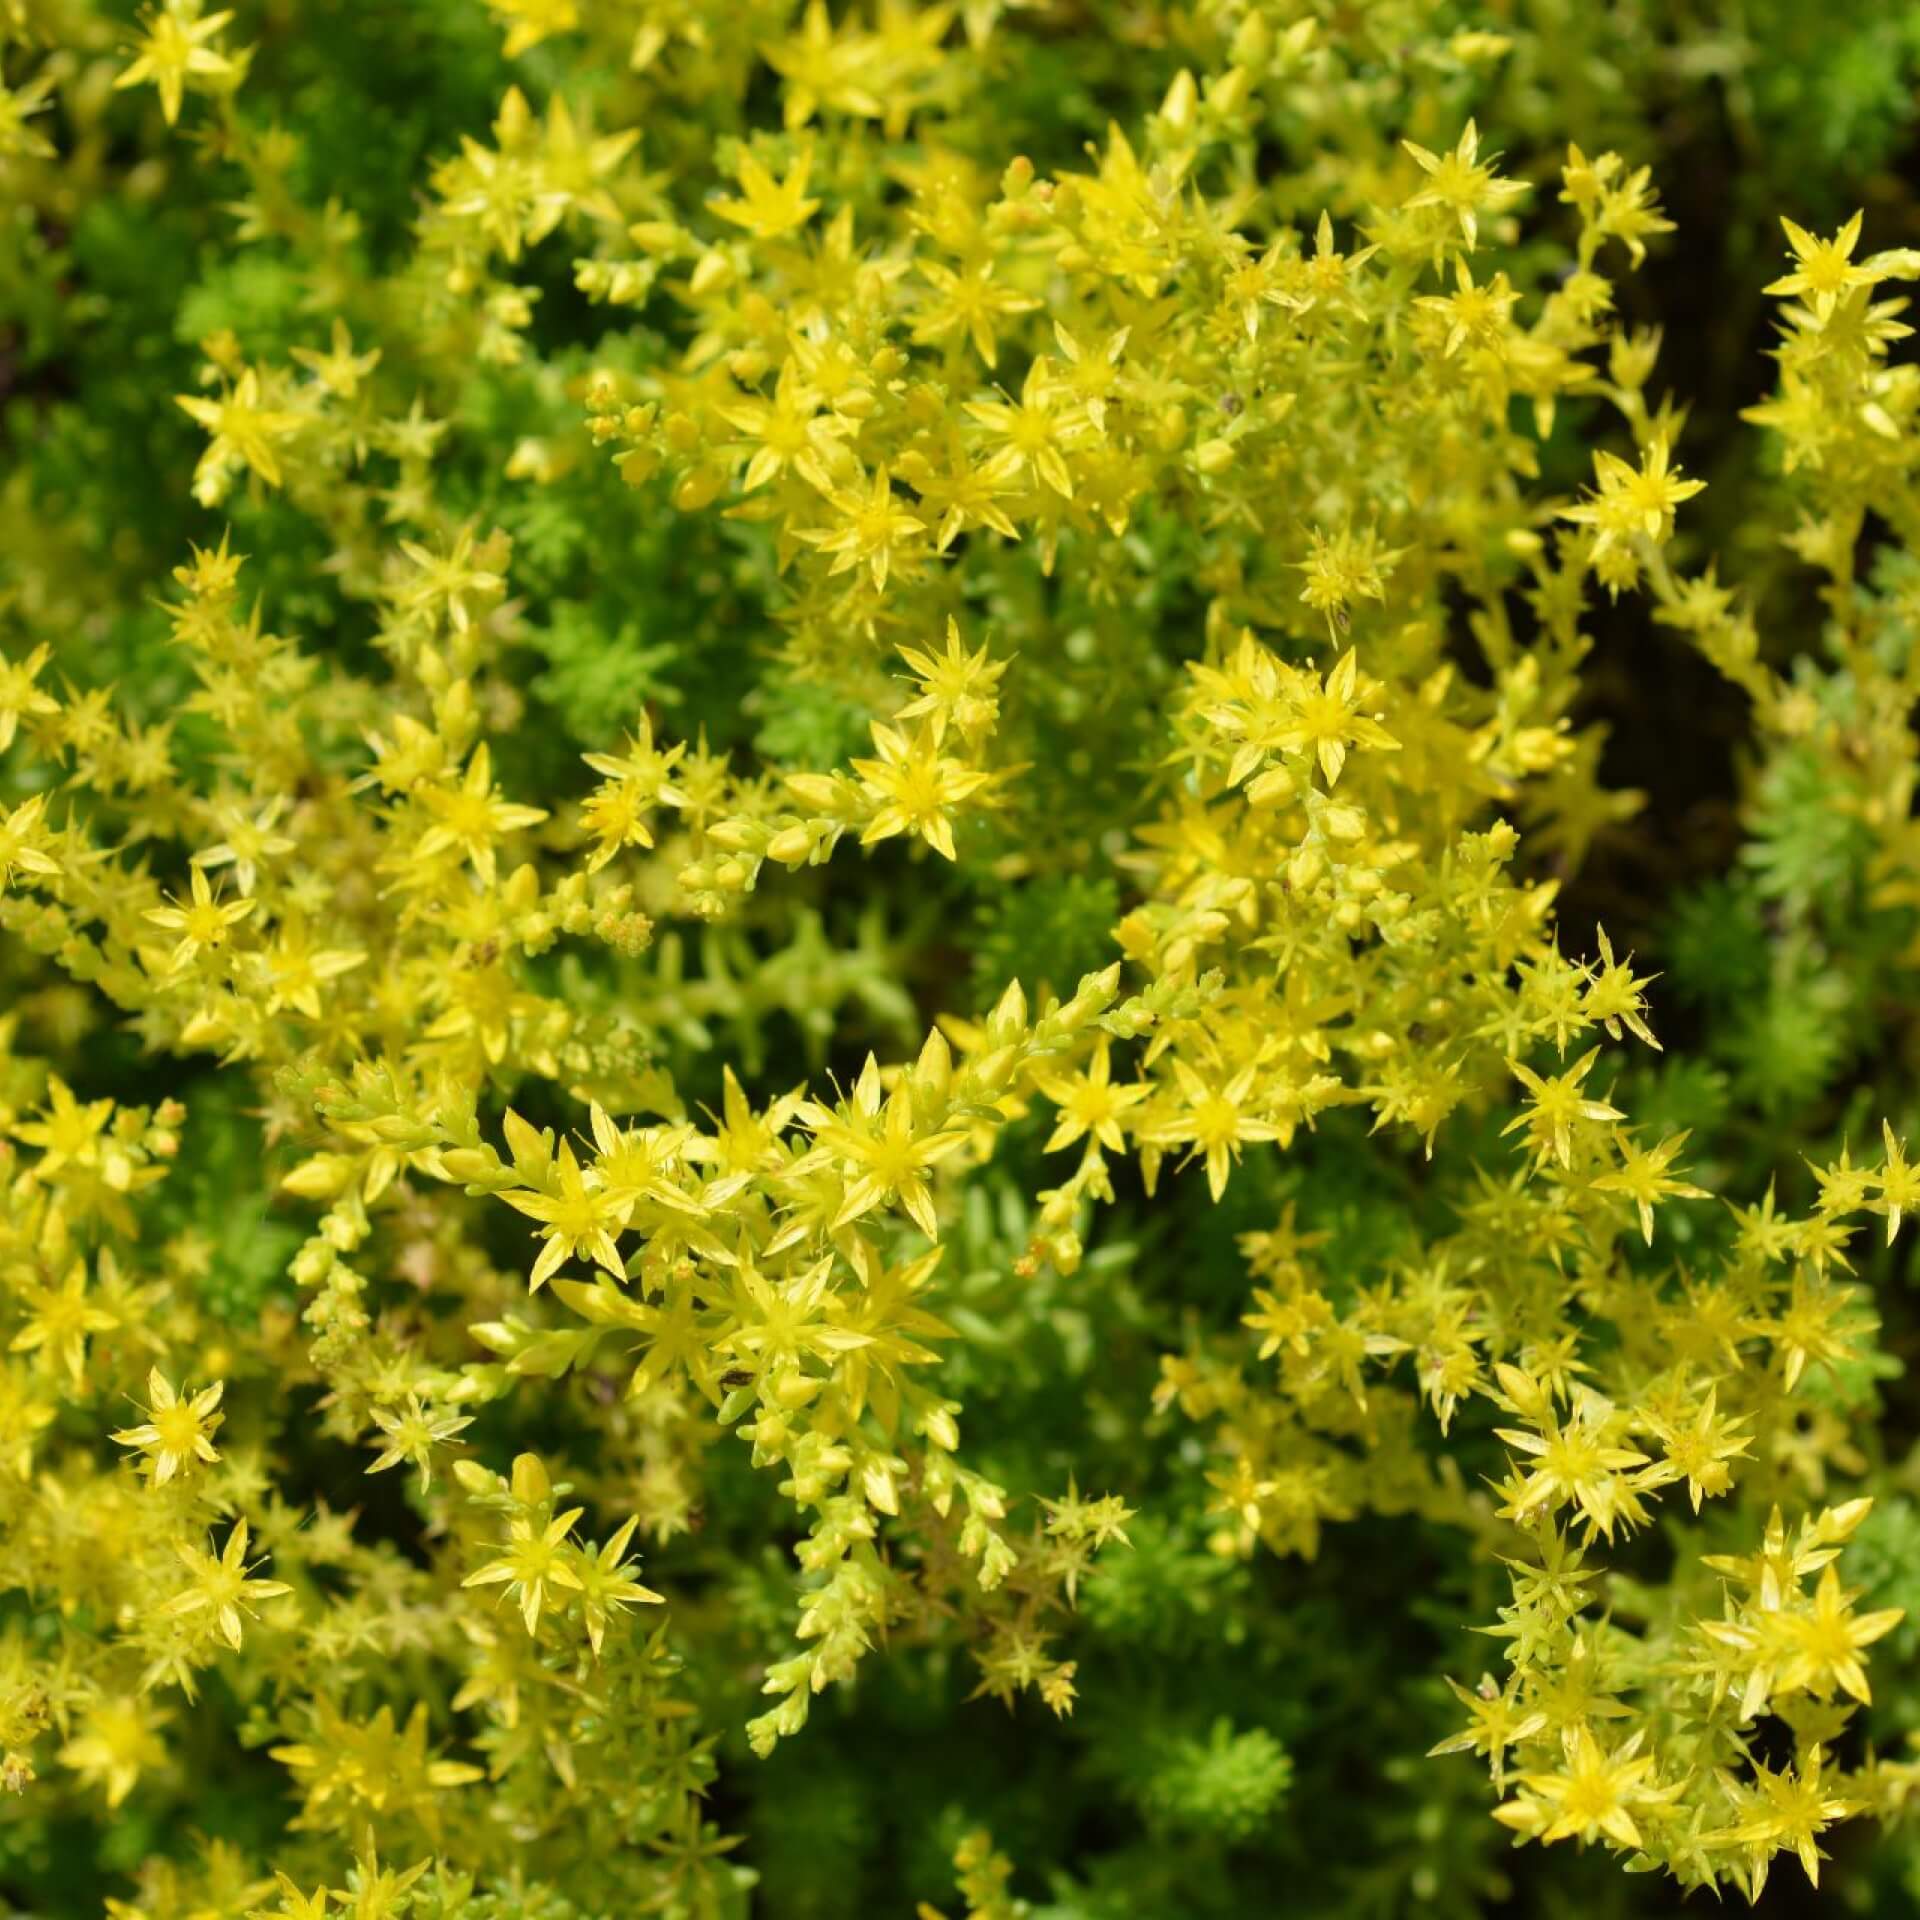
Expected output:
(812, 946)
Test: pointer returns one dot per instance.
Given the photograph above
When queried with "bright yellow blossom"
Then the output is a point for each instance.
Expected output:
(178, 1431)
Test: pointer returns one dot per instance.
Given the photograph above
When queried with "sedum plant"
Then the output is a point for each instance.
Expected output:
(843, 1060)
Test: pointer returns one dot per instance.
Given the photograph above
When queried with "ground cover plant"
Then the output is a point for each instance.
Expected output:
(958, 958)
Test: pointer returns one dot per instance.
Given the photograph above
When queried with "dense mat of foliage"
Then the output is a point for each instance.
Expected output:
(808, 1078)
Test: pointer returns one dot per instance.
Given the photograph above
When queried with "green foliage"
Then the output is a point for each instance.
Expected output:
(1223, 1786)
